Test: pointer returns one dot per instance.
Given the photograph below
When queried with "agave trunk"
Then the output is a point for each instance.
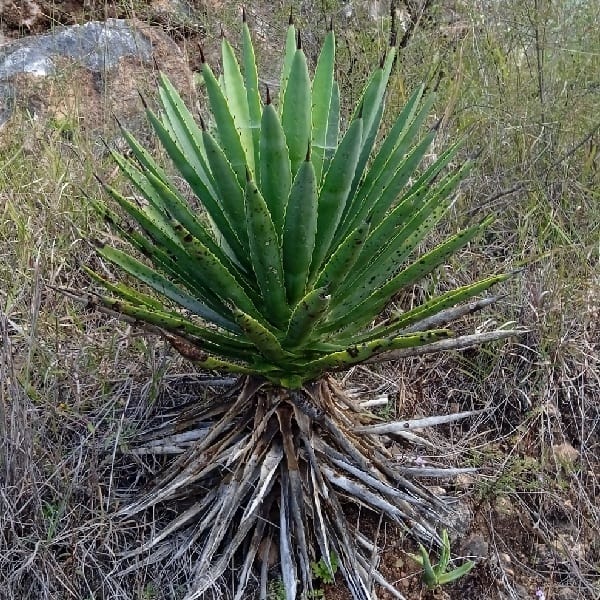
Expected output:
(273, 468)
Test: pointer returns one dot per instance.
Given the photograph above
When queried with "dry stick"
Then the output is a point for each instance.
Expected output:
(448, 315)
(400, 426)
(378, 577)
(264, 567)
(254, 547)
(415, 20)
(489, 201)
(574, 149)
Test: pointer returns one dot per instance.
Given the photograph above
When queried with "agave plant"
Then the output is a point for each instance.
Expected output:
(276, 263)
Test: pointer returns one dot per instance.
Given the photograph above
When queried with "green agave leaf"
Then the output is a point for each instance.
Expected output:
(386, 189)
(143, 185)
(216, 276)
(251, 85)
(262, 338)
(390, 245)
(227, 133)
(149, 165)
(296, 111)
(363, 313)
(170, 205)
(185, 130)
(343, 259)
(181, 209)
(396, 135)
(305, 316)
(361, 352)
(371, 107)
(125, 292)
(445, 554)
(334, 192)
(151, 220)
(209, 199)
(412, 159)
(333, 128)
(231, 195)
(266, 257)
(418, 558)
(456, 573)
(173, 262)
(318, 348)
(208, 339)
(391, 171)
(163, 286)
(424, 180)
(322, 91)
(275, 168)
(291, 42)
(299, 232)
(429, 575)
(237, 99)
(432, 307)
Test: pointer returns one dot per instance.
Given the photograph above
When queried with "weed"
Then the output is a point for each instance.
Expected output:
(435, 576)
(276, 590)
(324, 572)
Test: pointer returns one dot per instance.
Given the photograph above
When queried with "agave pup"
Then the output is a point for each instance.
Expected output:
(299, 234)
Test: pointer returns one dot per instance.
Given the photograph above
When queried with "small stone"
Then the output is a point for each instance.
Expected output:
(464, 480)
(565, 453)
(505, 563)
(459, 520)
(504, 506)
(565, 593)
(475, 546)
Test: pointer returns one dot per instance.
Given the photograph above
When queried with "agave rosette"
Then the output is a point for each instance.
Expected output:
(306, 232)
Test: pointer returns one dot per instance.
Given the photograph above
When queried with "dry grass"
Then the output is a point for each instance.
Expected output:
(74, 385)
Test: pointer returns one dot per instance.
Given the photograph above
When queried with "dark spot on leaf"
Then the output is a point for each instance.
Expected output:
(352, 351)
